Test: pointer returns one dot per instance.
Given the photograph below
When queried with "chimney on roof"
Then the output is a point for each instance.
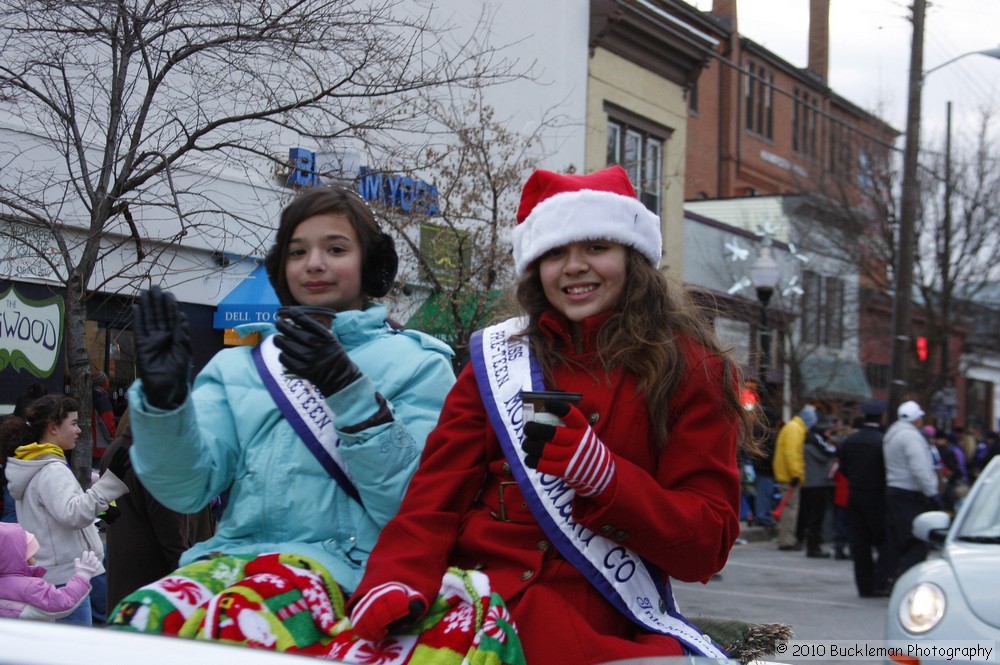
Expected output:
(819, 38)
(725, 10)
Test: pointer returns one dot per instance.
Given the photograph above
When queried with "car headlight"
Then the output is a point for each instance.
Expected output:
(922, 607)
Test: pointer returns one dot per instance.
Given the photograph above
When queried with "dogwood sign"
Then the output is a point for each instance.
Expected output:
(30, 333)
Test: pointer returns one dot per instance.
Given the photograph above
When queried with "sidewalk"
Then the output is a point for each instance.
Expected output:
(756, 534)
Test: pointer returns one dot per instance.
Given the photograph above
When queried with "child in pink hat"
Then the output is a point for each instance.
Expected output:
(579, 521)
(23, 592)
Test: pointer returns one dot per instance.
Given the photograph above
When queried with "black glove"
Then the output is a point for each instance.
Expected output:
(120, 464)
(795, 482)
(112, 513)
(309, 350)
(162, 348)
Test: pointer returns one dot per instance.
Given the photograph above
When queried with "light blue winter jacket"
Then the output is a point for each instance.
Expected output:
(229, 434)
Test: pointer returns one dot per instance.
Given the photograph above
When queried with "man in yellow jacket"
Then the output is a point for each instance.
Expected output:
(789, 471)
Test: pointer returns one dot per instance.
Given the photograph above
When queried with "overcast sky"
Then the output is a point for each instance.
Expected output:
(870, 50)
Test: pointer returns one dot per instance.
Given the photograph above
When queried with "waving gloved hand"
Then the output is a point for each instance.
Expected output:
(88, 565)
(162, 348)
(573, 452)
(385, 609)
(309, 350)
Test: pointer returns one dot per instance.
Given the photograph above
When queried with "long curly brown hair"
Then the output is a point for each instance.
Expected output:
(642, 337)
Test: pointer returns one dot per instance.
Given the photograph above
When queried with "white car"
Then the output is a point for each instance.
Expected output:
(24, 642)
(955, 596)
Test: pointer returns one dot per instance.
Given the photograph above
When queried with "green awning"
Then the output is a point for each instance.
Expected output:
(435, 317)
(825, 377)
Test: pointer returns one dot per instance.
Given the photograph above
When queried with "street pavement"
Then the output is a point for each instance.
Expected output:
(817, 597)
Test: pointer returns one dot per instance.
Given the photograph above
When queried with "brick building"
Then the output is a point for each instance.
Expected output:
(762, 128)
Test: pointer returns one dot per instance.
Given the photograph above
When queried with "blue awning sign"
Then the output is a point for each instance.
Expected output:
(252, 301)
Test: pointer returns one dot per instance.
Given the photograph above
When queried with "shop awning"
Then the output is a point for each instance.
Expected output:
(826, 377)
(253, 300)
(434, 316)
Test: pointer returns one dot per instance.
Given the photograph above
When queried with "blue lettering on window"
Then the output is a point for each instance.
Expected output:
(396, 191)
(303, 163)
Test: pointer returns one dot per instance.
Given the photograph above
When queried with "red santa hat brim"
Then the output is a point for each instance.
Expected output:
(558, 209)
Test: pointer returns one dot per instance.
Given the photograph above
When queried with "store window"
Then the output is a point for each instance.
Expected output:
(978, 403)
(445, 253)
(112, 350)
(637, 145)
(877, 375)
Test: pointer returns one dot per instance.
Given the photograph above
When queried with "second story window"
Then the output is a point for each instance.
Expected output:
(758, 101)
(822, 310)
(866, 171)
(637, 146)
(840, 150)
(804, 122)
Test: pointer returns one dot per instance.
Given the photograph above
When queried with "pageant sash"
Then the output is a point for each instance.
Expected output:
(503, 367)
(305, 409)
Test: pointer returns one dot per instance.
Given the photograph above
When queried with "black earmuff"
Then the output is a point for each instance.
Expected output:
(381, 263)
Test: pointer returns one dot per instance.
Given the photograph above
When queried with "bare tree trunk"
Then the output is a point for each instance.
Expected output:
(78, 361)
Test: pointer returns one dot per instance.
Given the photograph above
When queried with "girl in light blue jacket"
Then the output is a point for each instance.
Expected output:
(315, 432)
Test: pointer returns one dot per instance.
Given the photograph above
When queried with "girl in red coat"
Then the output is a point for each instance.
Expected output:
(577, 524)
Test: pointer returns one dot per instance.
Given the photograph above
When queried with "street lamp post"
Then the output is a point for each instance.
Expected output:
(902, 310)
(764, 276)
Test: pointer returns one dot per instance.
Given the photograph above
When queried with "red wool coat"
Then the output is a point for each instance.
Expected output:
(677, 507)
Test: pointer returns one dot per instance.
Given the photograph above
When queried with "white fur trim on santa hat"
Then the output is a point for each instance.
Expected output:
(587, 215)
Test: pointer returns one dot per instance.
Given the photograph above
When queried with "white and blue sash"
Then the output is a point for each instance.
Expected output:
(504, 367)
(305, 409)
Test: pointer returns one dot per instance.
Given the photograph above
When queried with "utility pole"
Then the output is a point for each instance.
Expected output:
(945, 258)
(902, 311)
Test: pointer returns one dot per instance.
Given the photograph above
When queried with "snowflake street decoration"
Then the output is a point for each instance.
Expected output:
(795, 253)
(766, 232)
(793, 288)
(739, 285)
(737, 251)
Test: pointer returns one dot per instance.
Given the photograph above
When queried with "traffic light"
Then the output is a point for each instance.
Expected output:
(748, 395)
(922, 348)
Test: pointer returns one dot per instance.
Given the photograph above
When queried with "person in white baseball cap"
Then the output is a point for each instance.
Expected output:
(910, 412)
(911, 486)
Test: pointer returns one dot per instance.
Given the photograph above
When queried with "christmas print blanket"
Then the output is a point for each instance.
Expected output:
(290, 603)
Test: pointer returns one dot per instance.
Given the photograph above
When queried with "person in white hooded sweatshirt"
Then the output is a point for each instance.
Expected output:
(50, 502)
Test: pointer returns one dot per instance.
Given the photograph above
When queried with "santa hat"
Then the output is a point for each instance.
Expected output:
(557, 209)
(32, 543)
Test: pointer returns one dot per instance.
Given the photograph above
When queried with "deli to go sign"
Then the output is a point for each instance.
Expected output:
(30, 333)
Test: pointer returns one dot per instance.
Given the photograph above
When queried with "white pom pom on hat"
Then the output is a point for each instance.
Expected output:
(557, 209)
